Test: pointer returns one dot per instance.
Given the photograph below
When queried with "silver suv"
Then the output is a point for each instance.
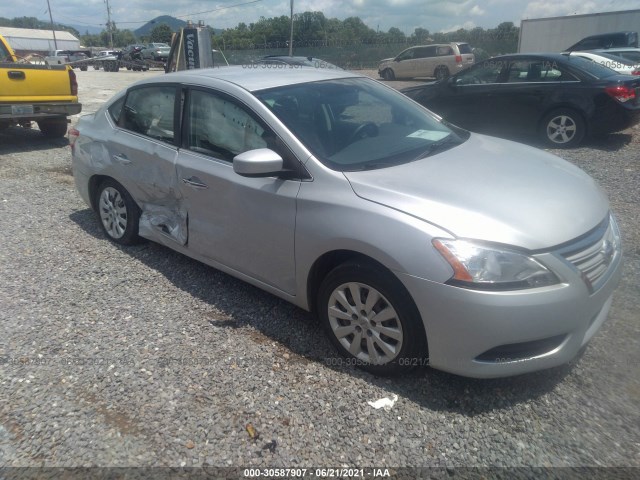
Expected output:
(437, 60)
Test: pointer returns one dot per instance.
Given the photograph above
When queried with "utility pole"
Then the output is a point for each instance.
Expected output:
(53, 30)
(291, 34)
(109, 24)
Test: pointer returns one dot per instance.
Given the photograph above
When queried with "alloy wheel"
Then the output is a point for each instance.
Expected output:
(113, 212)
(365, 323)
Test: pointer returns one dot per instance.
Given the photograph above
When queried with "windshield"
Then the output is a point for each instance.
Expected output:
(359, 124)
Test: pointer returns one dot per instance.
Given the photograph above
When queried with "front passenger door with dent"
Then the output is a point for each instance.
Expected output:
(245, 224)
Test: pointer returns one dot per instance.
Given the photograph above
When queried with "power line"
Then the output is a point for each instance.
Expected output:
(200, 13)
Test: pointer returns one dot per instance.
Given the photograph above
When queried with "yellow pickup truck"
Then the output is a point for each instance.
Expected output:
(45, 94)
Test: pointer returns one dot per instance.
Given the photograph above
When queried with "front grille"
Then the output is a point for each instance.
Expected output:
(594, 254)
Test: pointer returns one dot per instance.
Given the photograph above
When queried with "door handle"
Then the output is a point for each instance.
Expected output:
(16, 75)
(194, 182)
(121, 159)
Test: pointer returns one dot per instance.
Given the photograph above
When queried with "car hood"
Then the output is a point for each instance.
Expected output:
(492, 190)
(386, 60)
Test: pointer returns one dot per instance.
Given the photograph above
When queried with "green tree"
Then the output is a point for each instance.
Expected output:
(420, 35)
(161, 33)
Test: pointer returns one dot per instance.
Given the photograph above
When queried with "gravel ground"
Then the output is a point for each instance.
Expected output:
(142, 357)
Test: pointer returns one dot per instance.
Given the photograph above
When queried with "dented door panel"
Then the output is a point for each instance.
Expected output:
(246, 224)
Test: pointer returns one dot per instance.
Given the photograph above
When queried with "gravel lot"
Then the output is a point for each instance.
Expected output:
(142, 357)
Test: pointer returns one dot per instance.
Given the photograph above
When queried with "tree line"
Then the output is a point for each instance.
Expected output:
(311, 29)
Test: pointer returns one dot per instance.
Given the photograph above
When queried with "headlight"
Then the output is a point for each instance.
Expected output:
(479, 266)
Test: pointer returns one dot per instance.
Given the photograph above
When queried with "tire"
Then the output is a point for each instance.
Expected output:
(562, 128)
(118, 214)
(53, 127)
(390, 346)
(83, 69)
(442, 73)
(388, 74)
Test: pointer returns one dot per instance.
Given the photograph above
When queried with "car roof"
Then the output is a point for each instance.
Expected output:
(602, 55)
(541, 56)
(254, 79)
(615, 49)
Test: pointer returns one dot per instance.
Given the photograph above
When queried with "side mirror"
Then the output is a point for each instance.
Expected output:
(261, 162)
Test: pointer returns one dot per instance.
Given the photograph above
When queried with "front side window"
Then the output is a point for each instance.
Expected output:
(406, 55)
(358, 124)
(485, 72)
(220, 127)
(150, 111)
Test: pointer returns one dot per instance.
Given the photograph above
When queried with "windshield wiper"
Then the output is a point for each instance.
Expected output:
(437, 146)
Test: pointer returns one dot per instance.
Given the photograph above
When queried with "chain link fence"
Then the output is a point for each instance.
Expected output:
(354, 55)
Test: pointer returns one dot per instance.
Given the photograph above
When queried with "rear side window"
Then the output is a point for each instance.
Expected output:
(464, 48)
(591, 68)
(150, 111)
(116, 109)
(443, 51)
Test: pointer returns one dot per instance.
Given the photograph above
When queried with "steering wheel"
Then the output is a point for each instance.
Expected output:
(366, 130)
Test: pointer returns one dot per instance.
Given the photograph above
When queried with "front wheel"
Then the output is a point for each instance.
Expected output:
(119, 214)
(388, 74)
(371, 319)
(562, 128)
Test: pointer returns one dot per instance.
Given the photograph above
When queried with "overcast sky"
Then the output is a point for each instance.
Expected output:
(434, 15)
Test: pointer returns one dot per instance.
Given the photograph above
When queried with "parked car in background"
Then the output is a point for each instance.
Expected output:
(606, 40)
(560, 98)
(156, 51)
(107, 53)
(45, 94)
(295, 61)
(62, 57)
(438, 60)
(628, 53)
(414, 241)
(619, 64)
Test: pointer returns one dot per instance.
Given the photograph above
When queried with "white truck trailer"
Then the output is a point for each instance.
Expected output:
(556, 34)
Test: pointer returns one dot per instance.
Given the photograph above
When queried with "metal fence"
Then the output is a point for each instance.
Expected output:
(349, 55)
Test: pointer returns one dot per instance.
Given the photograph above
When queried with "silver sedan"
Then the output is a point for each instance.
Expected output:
(414, 241)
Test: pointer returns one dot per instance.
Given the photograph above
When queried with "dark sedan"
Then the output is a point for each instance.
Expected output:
(561, 98)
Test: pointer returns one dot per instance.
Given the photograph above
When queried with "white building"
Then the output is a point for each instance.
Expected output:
(27, 40)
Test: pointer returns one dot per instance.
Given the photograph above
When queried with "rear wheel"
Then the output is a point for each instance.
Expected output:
(53, 127)
(442, 73)
(119, 214)
(562, 128)
(371, 319)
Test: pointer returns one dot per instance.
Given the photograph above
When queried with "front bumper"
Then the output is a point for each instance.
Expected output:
(488, 334)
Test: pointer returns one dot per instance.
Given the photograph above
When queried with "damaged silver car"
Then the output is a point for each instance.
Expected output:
(414, 241)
